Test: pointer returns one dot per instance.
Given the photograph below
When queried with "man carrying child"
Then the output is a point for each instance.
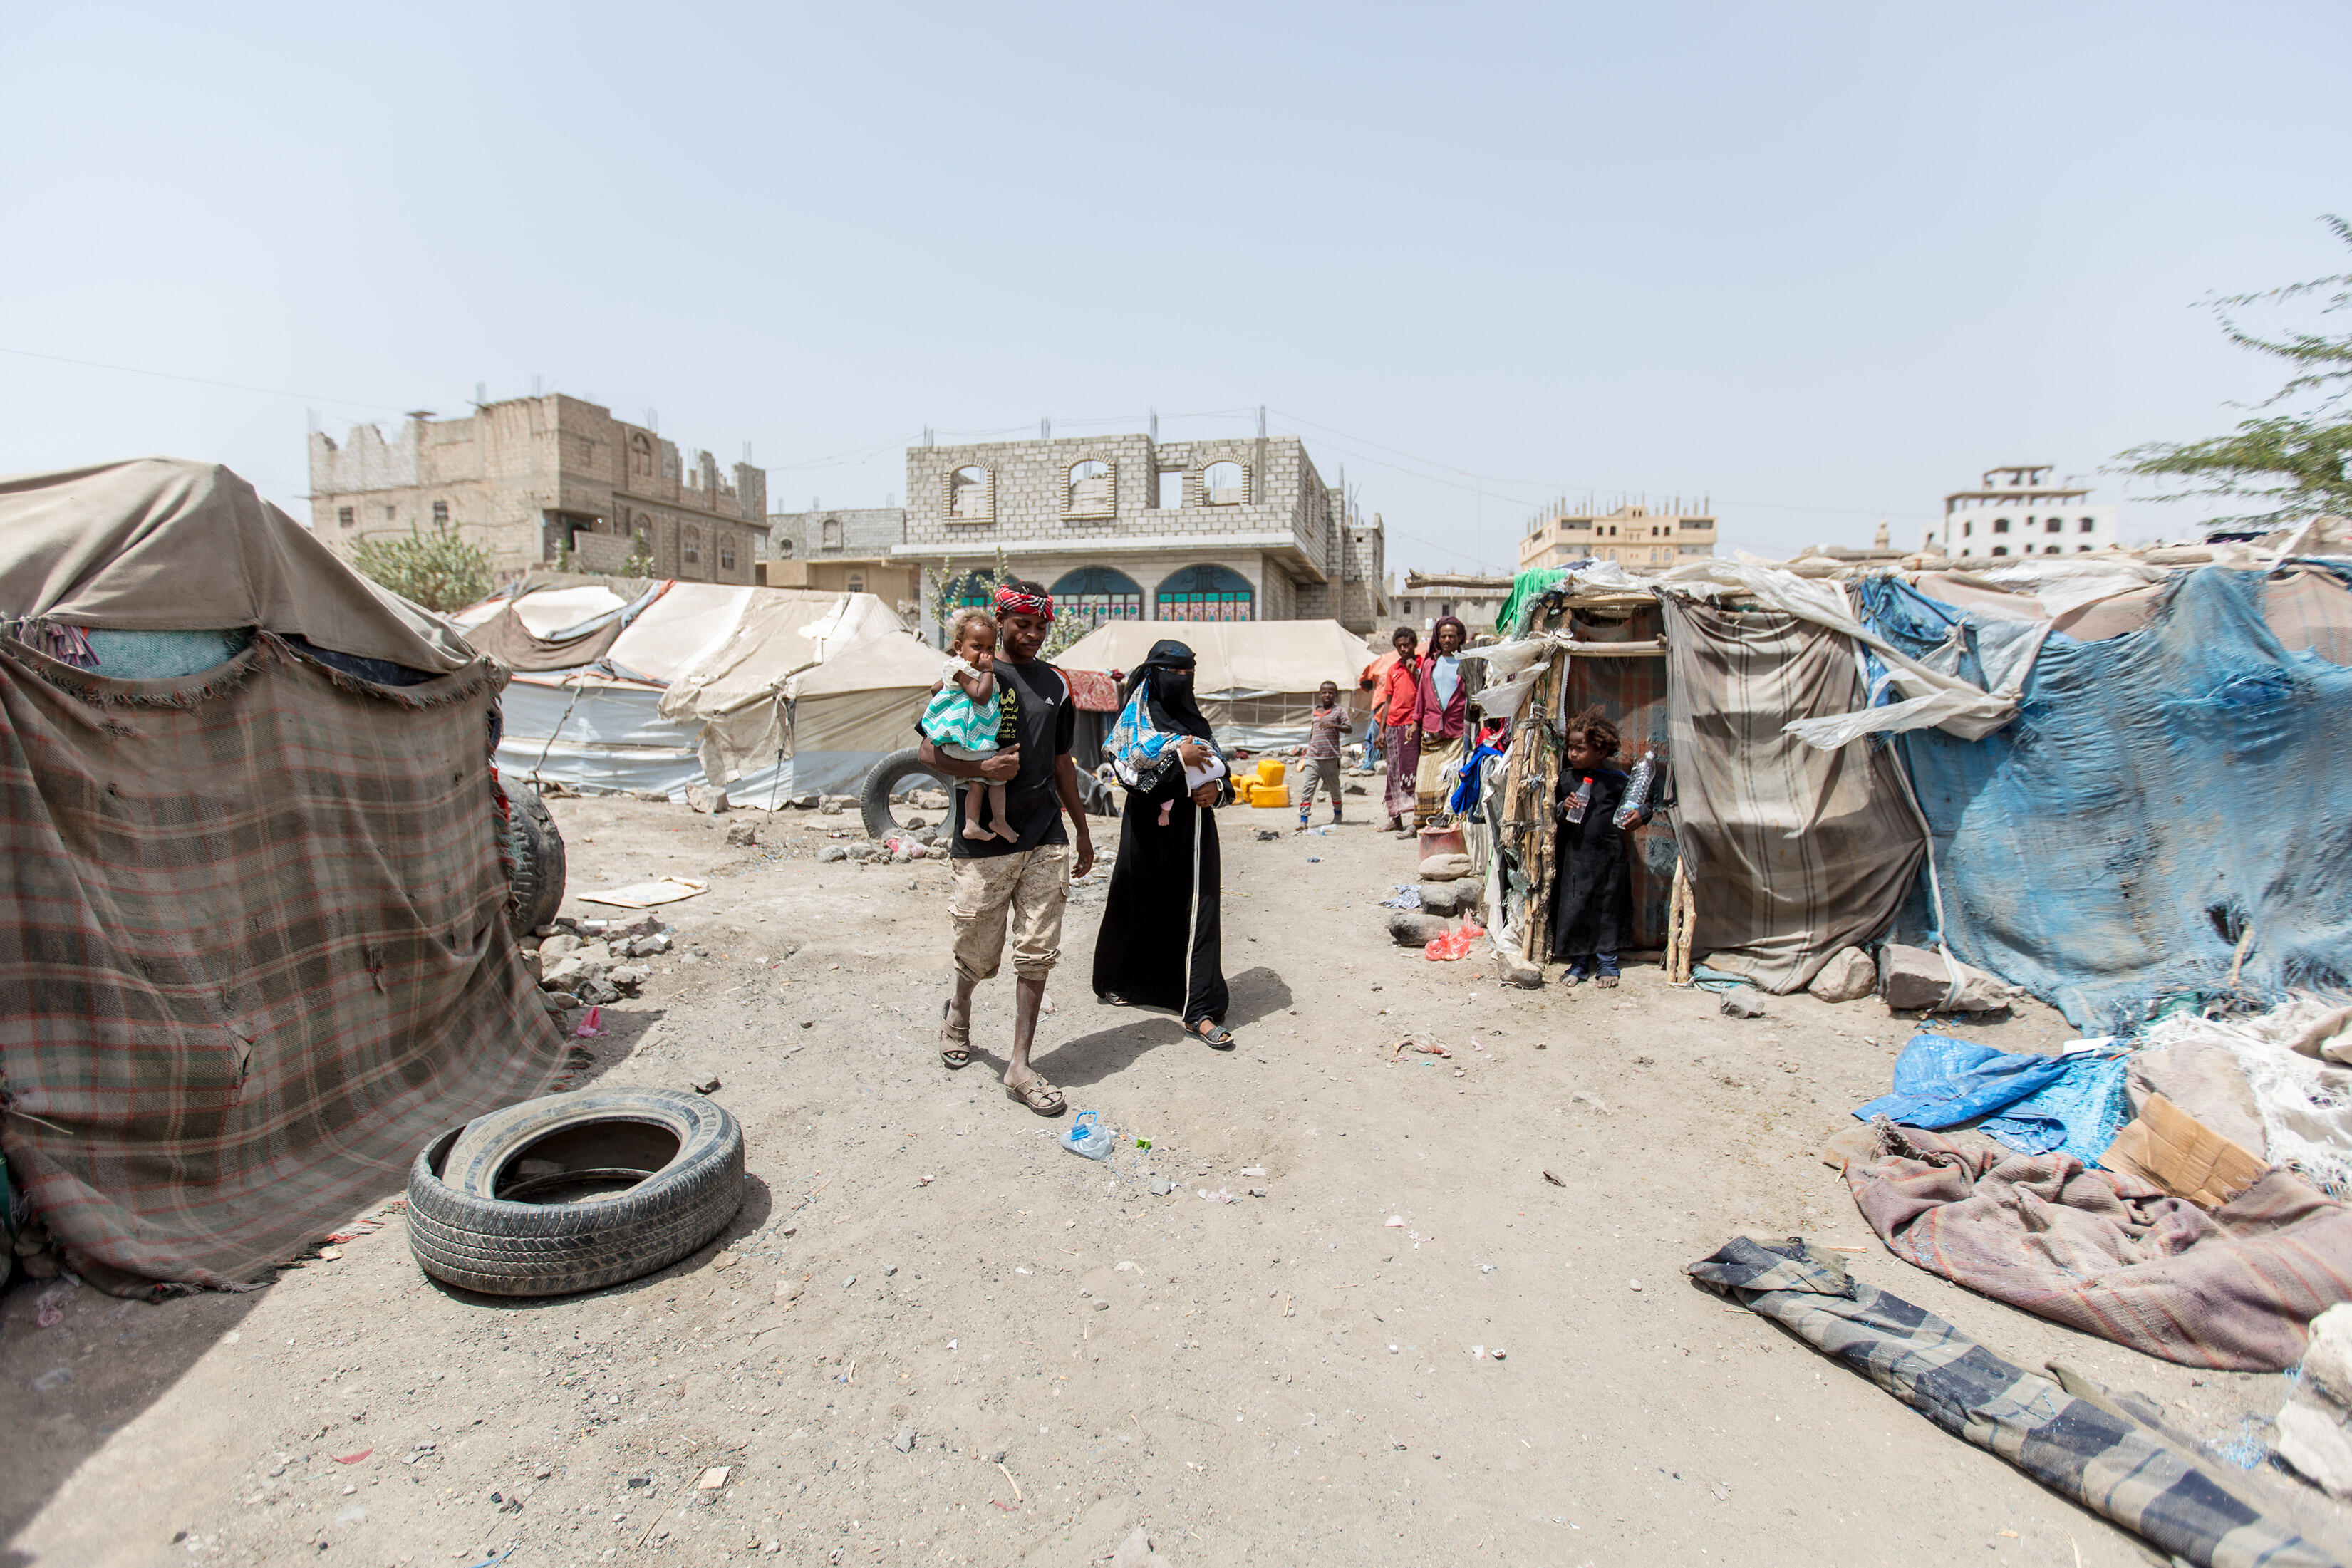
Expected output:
(1020, 880)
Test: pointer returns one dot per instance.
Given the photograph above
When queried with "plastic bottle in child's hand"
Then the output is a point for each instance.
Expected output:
(1637, 791)
(1580, 800)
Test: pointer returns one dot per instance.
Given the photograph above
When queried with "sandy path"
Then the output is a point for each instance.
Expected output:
(1279, 1380)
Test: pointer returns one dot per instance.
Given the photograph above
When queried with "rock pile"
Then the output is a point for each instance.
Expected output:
(591, 963)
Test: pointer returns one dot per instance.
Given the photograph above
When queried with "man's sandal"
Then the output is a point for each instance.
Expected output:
(1216, 1035)
(1039, 1096)
(955, 1044)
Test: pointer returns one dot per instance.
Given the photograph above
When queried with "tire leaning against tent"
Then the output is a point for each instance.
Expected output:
(479, 1216)
(886, 779)
(535, 888)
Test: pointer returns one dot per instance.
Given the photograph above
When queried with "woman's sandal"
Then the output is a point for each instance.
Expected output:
(1217, 1036)
(1112, 999)
(955, 1045)
(1039, 1096)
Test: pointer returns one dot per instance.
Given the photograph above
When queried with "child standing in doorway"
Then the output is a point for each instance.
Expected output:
(1592, 874)
(963, 717)
(1320, 761)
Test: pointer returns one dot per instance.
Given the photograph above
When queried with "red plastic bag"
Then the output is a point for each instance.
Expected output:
(1455, 944)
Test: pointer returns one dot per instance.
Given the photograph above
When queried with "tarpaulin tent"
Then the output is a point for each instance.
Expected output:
(689, 684)
(2162, 797)
(260, 900)
(1256, 679)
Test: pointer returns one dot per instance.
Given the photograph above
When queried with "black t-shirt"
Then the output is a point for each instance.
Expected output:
(1036, 714)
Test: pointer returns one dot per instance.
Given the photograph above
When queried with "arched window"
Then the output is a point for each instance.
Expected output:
(831, 533)
(1089, 490)
(1224, 485)
(641, 455)
(784, 548)
(974, 590)
(2001, 549)
(1097, 593)
(2085, 526)
(972, 494)
(1966, 527)
(2001, 526)
(1205, 593)
(691, 546)
(2053, 525)
(726, 552)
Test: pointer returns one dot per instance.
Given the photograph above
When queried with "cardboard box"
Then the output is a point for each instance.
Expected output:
(2167, 1147)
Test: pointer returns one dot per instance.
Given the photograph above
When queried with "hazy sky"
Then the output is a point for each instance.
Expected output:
(1822, 263)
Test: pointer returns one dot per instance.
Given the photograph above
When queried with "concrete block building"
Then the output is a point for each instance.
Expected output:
(1427, 595)
(532, 476)
(1637, 536)
(845, 551)
(2016, 510)
(1128, 528)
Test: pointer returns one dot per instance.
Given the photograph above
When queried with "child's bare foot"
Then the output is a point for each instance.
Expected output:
(974, 831)
(1005, 831)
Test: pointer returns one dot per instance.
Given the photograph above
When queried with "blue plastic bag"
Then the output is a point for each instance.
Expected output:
(1089, 1136)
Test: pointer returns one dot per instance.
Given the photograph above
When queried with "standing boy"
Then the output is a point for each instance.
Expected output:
(1320, 762)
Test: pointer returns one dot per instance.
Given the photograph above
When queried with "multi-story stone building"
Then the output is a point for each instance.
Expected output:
(534, 477)
(1636, 536)
(2015, 510)
(844, 550)
(1427, 595)
(1124, 527)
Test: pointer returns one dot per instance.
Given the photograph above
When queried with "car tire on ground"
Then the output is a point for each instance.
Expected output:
(886, 779)
(575, 1192)
(535, 887)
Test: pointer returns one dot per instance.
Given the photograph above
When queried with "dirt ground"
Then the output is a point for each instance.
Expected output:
(932, 1336)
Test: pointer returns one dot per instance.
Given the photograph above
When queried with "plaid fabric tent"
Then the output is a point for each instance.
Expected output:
(256, 952)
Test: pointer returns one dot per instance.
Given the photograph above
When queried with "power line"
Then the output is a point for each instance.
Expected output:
(201, 380)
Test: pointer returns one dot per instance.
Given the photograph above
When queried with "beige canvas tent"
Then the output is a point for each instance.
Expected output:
(1256, 679)
(691, 683)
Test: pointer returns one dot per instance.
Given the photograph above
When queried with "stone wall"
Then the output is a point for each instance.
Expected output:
(527, 476)
(865, 531)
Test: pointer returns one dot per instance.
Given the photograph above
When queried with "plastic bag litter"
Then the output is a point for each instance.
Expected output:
(1089, 1136)
(1406, 897)
(1455, 944)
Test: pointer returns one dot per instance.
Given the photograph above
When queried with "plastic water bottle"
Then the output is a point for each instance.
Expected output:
(1089, 1136)
(1637, 791)
(1579, 802)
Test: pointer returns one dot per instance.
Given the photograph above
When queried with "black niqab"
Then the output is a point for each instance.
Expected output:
(1166, 677)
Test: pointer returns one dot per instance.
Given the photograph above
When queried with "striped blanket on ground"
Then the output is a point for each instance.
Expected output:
(2112, 1465)
(256, 953)
(2108, 1253)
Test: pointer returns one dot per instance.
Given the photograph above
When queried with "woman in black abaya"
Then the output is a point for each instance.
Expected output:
(1159, 945)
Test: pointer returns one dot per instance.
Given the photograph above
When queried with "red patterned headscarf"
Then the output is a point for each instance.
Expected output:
(1015, 599)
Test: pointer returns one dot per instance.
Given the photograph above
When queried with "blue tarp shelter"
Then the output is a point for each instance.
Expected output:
(2160, 795)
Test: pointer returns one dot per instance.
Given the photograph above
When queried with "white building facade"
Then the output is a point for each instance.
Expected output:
(2017, 511)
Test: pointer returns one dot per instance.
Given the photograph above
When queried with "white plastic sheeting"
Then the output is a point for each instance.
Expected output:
(1930, 697)
(2297, 1059)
